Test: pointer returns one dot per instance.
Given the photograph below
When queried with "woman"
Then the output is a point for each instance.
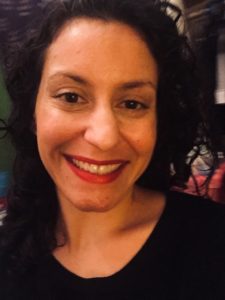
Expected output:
(103, 104)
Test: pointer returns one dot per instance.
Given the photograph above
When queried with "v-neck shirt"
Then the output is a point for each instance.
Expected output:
(183, 258)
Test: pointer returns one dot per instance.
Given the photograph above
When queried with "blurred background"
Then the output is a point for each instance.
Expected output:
(204, 21)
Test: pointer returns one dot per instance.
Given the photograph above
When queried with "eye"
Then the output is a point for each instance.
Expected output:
(69, 97)
(134, 105)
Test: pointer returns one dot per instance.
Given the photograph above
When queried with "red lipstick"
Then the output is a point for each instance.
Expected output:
(91, 177)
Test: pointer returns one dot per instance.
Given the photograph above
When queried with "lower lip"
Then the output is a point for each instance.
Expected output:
(94, 178)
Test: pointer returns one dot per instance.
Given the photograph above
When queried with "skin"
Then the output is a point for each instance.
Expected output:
(97, 99)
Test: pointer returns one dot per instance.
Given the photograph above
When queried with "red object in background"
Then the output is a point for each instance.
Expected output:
(216, 189)
(217, 185)
(2, 203)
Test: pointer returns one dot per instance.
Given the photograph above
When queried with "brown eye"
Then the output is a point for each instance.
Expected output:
(133, 104)
(70, 97)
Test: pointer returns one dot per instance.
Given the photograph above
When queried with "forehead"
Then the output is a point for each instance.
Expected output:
(96, 45)
(88, 29)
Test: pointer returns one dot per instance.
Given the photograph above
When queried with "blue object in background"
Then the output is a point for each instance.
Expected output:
(4, 183)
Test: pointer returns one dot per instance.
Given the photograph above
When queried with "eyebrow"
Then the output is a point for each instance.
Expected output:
(137, 83)
(124, 86)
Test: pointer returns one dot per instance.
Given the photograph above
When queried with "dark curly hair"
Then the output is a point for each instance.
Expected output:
(32, 209)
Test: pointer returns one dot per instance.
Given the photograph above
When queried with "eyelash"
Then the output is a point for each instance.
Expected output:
(66, 99)
(131, 104)
(135, 105)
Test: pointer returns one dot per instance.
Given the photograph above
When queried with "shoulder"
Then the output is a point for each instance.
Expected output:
(201, 221)
(200, 224)
(198, 208)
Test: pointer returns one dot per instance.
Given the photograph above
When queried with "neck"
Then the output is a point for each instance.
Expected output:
(82, 228)
(100, 244)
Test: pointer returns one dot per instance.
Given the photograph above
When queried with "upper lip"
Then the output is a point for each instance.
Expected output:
(95, 162)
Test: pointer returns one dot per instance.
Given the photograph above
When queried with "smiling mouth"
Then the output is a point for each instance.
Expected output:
(96, 169)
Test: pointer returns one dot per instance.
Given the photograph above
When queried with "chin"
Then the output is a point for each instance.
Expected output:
(94, 206)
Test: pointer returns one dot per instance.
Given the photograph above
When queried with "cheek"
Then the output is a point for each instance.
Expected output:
(51, 127)
(50, 141)
(49, 136)
(144, 138)
(145, 147)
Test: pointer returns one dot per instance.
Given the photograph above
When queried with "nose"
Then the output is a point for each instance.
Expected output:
(102, 129)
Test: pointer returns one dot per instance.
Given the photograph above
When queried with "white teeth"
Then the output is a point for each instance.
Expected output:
(96, 169)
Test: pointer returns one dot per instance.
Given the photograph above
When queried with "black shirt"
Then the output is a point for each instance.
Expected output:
(184, 258)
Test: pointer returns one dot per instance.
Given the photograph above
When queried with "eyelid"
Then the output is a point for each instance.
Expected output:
(64, 88)
(66, 93)
(60, 94)
(142, 104)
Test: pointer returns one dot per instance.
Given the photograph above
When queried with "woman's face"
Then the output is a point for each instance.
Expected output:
(96, 113)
